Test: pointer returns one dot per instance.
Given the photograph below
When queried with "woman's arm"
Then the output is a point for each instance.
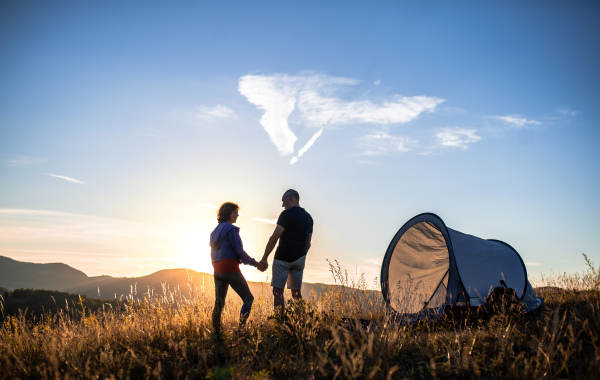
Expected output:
(236, 243)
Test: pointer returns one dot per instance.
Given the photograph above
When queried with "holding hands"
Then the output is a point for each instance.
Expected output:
(262, 265)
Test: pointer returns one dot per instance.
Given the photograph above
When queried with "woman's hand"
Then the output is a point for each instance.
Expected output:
(262, 265)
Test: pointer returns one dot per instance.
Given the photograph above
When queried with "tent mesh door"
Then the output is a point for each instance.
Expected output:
(418, 269)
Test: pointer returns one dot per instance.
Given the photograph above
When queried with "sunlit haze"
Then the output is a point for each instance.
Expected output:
(124, 125)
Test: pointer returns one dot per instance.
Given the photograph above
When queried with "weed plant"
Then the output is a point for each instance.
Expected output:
(169, 336)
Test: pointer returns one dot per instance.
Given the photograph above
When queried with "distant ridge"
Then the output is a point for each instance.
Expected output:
(61, 277)
(55, 276)
(186, 281)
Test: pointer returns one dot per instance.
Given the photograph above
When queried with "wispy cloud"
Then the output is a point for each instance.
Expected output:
(209, 206)
(377, 262)
(216, 112)
(381, 143)
(65, 178)
(97, 243)
(319, 110)
(23, 160)
(279, 95)
(561, 115)
(516, 121)
(457, 137)
(567, 112)
(45, 225)
(268, 221)
(262, 220)
(532, 264)
(149, 132)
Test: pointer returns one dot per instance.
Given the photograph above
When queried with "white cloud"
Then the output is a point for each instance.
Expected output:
(216, 112)
(381, 143)
(307, 146)
(276, 95)
(319, 110)
(457, 137)
(377, 82)
(65, 178)
(516, 121)
(280, 95)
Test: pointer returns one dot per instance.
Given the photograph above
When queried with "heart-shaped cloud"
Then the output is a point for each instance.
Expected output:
(279, 95)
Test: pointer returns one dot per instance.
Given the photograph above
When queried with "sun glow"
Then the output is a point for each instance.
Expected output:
(194, 252)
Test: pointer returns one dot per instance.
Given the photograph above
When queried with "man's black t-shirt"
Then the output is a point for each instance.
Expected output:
(297, 224)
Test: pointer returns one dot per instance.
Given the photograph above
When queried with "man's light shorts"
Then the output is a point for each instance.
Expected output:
(290, 272)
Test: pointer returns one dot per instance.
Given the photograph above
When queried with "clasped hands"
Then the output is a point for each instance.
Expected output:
(262, 265)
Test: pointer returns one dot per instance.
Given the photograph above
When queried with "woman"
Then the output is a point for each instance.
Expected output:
(227, 253)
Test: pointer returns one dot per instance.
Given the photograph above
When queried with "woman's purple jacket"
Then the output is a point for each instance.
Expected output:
(225, 243)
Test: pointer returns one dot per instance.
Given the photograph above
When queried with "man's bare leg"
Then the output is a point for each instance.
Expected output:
(296, 294)
(278, 301)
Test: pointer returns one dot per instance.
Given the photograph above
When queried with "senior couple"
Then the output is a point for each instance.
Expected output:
(293, 231)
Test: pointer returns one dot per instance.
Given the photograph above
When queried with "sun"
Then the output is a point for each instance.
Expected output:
(194, 252)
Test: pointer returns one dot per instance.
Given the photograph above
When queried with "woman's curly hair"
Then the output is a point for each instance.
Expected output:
(224, 213)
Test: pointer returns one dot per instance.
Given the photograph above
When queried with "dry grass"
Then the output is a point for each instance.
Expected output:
(170, 337)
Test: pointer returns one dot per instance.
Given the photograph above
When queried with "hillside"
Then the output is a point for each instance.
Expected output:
(54, 276)
(34, 304)
(185, 280)
(344, 333)
(61, 277)
(318, 338)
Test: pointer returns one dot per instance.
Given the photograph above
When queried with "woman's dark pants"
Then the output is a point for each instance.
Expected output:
(240, 286)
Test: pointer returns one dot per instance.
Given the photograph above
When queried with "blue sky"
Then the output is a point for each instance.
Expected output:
(124, 124)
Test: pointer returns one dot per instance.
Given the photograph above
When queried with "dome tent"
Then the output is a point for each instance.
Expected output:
(428, 265)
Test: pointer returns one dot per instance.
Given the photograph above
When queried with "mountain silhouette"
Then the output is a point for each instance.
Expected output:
(61, 277)
(55, 276)
(164, 282)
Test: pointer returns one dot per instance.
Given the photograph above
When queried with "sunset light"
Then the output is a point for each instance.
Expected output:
(397, 189)
(124, 126)
(194, 252)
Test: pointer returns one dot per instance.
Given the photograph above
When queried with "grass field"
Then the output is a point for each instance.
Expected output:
(170, 337)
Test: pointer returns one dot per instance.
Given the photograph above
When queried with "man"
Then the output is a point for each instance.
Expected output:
(294, 232)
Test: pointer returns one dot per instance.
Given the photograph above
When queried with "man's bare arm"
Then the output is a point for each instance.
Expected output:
(272, 242)
(308, 242)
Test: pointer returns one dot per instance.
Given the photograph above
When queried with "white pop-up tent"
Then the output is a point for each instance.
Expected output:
(428, 265)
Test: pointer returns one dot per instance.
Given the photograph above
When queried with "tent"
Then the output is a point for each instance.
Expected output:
(428, 266)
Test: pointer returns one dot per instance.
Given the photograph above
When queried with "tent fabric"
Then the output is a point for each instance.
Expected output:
(484, 263)
(428, 265)
(418, 267)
